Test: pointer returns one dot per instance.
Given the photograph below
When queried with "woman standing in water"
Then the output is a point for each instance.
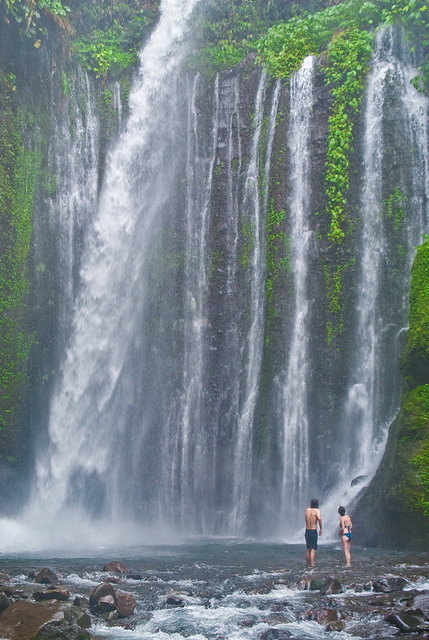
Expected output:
(346, 527)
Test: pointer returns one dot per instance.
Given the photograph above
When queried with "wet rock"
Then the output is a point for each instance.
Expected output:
(21, 620)
(337, 625)
(388, 585)
(325, 616)
(248, 622)
(51, 594)
(4, 602)
(422, 602)
(331, 586)
(100, 591)
(316, 584)
(128, 626)
(175, 601)
(358, 480)
(116, 567)
(135, 576)
(404, 622)
(109, 616)
(106, 604)
(275, 634)
(61, 631)
(276, 618)
(303, 585)
(46, 576)
(125, 604)
(76, 615)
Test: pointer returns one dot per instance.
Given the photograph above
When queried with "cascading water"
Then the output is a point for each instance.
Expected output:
(253, 206)
(382, 290)
(155, 419)
(91, 406)
(294, 394)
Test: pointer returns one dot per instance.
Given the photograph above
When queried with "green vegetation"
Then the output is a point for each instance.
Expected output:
(105, 36)
(395, 207)
(109, 35)
(348, 56)
(415, 360)
(413, 450)
(17, 168)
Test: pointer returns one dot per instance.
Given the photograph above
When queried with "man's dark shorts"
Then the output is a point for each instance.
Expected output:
(311, 538)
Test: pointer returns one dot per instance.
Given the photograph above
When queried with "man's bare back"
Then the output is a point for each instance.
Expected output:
(312, 517)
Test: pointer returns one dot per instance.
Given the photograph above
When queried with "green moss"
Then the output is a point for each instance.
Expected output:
(348, 58)
(395, 207)
(17, 168)
(413, 449)
(247, 230)
(415, 360)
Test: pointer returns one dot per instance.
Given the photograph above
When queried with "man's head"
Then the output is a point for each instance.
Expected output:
(314, 503)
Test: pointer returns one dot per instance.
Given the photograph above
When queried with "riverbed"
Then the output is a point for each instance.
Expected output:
(230, 590)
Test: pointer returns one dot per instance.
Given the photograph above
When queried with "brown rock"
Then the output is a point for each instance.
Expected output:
(116, 567)
(325, 616)
(46, 576)
(101, 590)
(22, 619)
(337, 625)
(106, 604)
(125, 604)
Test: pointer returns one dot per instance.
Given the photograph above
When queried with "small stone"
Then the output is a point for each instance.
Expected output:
(116, 567)
(389, 585)
(175, 601)
(337, 625)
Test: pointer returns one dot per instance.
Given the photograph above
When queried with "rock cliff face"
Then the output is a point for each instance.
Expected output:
(257, 363)
(395, 507)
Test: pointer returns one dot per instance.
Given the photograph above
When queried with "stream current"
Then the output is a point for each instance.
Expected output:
(236, 590)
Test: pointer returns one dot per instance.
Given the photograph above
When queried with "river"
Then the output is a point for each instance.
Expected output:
(235, 590)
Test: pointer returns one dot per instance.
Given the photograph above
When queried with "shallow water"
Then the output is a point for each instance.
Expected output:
(233, 590)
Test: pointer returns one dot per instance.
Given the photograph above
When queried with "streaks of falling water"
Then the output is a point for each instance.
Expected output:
(374, 388)
(294, 399)
(255, 206)
(87, 413)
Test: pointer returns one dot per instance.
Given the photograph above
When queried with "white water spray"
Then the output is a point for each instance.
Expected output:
(294, 395)
(85, 423)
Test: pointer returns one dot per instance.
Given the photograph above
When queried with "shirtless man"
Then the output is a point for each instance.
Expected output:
(312, 517)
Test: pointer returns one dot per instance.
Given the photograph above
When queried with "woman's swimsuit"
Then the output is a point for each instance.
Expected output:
(349, 534)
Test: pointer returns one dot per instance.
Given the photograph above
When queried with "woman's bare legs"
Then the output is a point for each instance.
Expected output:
(346, 548)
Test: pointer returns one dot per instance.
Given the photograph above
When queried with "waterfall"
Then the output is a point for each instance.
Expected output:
(156, 418)
(382, 290)
(294, 394)
(93, 401)
(73, 161)
(255, 206)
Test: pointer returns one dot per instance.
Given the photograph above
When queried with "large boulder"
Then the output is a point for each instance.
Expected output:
(116, 567)
(22, 619)
(125, 604)
(101, 591)
(46, 576)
